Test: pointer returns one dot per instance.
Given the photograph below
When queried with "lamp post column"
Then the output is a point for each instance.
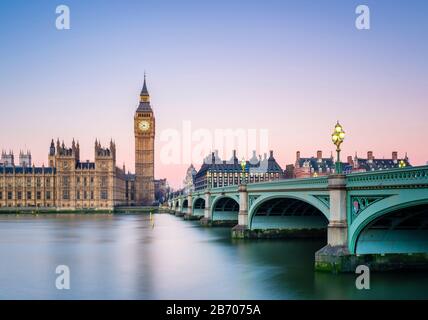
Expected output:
(240, 231)
(335, 255)
(337, 137)
(338, 166)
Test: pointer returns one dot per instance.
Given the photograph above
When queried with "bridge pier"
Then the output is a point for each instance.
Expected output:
(178, 212)
(207, 219)
(189, 215)
(241, 230)
(335, 255)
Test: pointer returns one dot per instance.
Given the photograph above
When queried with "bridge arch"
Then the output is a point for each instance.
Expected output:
(198, 206)
(184, 206)
(399, 227)
(225, 208)
(288, 211)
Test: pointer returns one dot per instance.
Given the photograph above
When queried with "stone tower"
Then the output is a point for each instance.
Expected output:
(144, 130)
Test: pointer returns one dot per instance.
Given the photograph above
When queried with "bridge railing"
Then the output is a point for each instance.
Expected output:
(390, 177)
(318, 182)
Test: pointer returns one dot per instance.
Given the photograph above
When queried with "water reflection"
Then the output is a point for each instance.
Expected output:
(124, 257)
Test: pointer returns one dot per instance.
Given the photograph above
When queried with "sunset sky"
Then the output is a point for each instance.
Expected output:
(291, 67)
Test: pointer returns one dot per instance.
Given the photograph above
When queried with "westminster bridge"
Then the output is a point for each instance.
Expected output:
(377, 218)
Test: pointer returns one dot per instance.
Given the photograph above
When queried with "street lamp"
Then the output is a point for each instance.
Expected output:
(243, 165)
(402, 164)
(337, 137)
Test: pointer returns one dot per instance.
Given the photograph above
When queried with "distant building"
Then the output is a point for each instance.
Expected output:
(319, 166)
(25, 159)
(67, 183)
(189, 180)
(216, 172)
(130, 189)
(371, 163)
(289, 171)
(313, 166)
(161, 190)
(7, 159)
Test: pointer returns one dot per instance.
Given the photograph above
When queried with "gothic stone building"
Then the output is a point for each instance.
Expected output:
(144, 131)
(67, 183)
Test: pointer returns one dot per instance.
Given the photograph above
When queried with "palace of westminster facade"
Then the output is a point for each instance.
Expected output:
(69, 184)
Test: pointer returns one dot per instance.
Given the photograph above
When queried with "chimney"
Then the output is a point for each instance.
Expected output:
(319, 155)
(394, 155)
(297, 155)
(271, 154)
(234, 158)
(350, 161)
(370, 155)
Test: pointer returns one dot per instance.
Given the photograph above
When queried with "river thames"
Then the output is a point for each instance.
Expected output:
(126, 257)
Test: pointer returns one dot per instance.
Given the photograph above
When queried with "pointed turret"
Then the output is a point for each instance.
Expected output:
(144, 92)
(144, 105)
(52, 148)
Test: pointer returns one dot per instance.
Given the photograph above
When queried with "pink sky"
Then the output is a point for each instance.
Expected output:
(292, 68)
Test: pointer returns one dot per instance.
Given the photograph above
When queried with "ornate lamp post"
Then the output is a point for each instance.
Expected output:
(402, 164)
(243, 166)
(337, 137)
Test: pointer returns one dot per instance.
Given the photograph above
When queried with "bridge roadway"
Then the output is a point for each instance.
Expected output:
(377, 218)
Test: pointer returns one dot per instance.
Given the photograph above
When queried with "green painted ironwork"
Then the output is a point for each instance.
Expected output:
(251, 199)
(369, 195)
(400, 177)
(324, 199)
(357, 204)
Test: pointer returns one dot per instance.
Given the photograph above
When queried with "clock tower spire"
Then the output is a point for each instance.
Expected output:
(144, 130)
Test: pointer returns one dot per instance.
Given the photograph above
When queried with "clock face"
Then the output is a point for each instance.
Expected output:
(144, 125)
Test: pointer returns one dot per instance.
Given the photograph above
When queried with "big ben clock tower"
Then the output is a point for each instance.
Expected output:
(144, 129)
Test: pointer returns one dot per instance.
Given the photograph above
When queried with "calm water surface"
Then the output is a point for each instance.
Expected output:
(123, 257)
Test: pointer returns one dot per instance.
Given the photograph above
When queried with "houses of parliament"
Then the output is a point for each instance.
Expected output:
(67, 183)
